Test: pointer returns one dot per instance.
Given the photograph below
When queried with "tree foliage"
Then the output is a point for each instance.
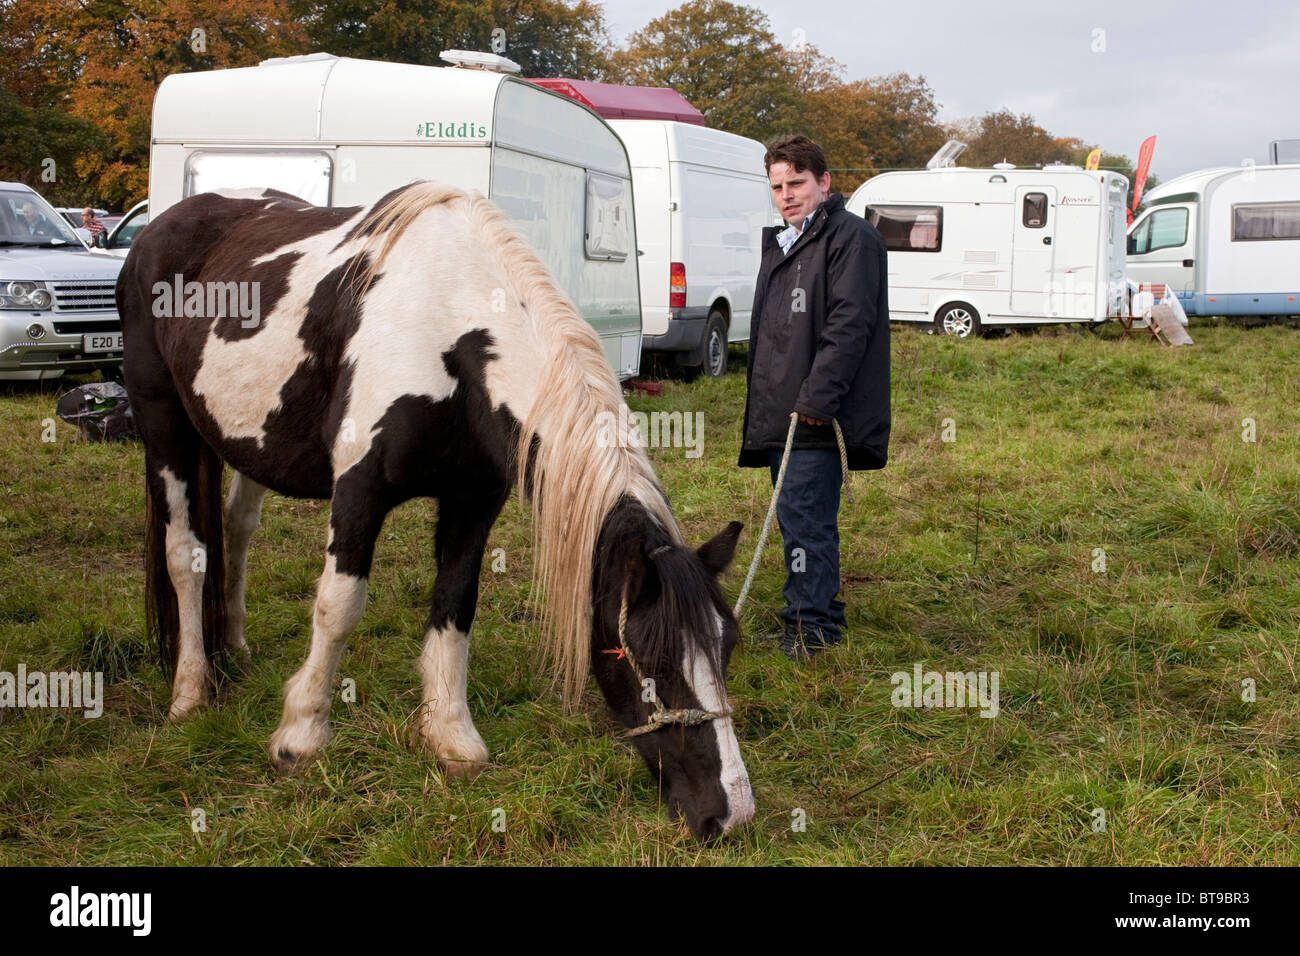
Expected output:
(545, 37)
(724, 59)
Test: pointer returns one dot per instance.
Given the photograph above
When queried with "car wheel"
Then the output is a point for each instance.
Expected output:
(959, 319)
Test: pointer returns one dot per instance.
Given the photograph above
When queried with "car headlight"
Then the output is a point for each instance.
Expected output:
(23, 294)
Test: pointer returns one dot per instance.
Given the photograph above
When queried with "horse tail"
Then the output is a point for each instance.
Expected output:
(162, 612)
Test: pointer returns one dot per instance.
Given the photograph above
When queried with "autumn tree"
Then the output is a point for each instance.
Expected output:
(724, 59)
(869, 126)
(102, 62)
(545, 37)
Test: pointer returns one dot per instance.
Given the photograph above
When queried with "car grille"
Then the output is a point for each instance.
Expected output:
(84, 295)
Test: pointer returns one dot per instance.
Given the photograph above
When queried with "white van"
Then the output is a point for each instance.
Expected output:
(974, 248)
(1227, 240)
(343, 132)
(702, 199)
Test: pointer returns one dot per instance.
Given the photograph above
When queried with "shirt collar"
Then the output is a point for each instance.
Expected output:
(787, 236)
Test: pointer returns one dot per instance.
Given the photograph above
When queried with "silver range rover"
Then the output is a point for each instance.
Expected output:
(57, 307)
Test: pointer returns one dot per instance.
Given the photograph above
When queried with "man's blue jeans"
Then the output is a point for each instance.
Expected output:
(807, 512)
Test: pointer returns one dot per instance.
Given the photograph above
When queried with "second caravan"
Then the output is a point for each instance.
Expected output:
(973, 248)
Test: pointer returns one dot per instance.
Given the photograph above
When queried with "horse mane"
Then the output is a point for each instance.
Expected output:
(565, 459)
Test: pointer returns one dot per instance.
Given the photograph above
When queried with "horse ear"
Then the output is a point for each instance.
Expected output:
(717, 552)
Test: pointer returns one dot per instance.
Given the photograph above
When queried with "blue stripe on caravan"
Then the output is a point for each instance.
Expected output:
(1242, 303)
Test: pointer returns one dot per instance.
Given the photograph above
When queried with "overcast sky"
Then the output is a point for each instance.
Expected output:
(1216, 82)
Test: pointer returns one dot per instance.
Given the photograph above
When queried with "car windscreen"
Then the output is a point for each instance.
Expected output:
(26, 221)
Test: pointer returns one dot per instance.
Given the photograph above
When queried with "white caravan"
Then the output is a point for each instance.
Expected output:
(973, 248)
(1226, 240)
(702, 199)
(343, 132)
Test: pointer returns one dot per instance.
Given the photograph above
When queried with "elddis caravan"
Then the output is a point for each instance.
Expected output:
(973, 248)
(1227, 240)
(342, 132)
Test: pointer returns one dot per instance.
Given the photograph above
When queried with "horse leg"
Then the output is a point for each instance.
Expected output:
(444, 722)
(243, 514)
(356, 516)
(184, 553)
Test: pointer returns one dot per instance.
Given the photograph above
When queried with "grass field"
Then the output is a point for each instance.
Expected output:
(1125, 691)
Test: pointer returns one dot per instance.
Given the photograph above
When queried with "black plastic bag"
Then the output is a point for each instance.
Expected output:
(101, 411)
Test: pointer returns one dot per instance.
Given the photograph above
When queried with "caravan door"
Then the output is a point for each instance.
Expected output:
(1033, 252)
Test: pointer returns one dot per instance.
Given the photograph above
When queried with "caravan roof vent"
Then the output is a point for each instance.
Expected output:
(1004, 165)
(1061, 166)
(300, 58)
(474, 60)
(947, 155)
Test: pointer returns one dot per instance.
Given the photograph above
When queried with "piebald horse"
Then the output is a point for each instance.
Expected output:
(416, 347)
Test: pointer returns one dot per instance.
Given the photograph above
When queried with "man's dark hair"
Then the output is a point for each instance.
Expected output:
(800, 152)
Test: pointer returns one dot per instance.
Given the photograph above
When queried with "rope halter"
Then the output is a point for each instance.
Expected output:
(660, 716)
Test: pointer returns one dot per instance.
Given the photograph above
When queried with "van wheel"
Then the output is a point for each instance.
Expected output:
(959, 319)
(715, 346)
(715, 350)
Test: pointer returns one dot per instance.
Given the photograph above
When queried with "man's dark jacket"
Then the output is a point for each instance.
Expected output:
(819, 341)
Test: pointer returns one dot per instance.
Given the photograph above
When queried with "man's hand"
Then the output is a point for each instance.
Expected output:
(808, 420)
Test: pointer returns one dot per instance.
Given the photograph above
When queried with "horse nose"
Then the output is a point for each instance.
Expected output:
(740, 802)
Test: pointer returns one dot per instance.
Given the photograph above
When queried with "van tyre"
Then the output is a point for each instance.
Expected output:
(715, 345)
(714, 348)
(960, 319)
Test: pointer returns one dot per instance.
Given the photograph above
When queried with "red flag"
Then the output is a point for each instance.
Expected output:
(1140, 174)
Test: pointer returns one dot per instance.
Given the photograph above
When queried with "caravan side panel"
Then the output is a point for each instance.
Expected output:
(562, 175)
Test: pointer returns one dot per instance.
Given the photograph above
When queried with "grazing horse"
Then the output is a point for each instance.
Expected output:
(416, 347)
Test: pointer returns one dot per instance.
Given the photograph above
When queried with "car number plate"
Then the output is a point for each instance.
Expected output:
(102, 342)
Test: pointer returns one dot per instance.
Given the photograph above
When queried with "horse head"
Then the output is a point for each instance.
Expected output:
(663, 635)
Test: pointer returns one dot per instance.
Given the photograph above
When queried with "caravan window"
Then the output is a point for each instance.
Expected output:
(608, 231)
(908, 228)
(1034, 214)
(302, 173)
(1163, 229)
(1274, 220)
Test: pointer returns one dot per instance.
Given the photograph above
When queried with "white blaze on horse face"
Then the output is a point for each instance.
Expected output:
(445, 723)
(190, 686)
(713, 697)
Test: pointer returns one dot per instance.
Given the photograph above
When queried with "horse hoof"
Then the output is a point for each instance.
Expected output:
(241, 658)
(461, 769)
(290, 764)
(183, 707)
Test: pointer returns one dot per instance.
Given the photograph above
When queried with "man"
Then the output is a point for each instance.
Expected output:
(93, 226)
(37, 227)
(818, 347)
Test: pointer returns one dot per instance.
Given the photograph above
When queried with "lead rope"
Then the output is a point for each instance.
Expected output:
(662, 716)
(776, 493)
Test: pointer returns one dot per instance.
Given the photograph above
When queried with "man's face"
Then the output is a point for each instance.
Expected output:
(30, 213)
(797, 194)
(86, 216)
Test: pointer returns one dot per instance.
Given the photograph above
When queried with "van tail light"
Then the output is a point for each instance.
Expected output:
(677, 286)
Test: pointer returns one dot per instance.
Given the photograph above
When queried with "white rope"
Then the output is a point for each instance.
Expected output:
(776, 493)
